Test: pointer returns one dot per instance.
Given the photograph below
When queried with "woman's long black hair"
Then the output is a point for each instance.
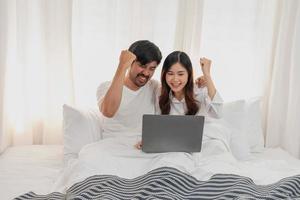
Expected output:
(164, 99)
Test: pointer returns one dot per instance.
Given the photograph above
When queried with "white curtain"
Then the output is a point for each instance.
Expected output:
(57, 52)
(3, 39)
(283, 99)
(38, 73)
(54, 52)
(101, 29)
(237, 36)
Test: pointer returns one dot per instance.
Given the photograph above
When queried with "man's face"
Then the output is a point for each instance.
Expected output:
(140, 74)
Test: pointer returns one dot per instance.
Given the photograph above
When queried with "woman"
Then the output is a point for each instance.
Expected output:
(178, 94)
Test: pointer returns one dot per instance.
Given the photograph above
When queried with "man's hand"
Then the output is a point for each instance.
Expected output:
(138, 145)
(201, 82)
(205, 66)
(126, 59)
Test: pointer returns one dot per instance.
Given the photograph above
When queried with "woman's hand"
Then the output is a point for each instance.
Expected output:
(138, 145)
(205, 66)
(201, 82)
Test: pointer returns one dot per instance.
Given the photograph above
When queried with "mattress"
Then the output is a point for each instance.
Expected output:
(29, 168)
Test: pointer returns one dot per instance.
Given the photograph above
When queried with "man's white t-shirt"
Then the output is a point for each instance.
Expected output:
(127, 120)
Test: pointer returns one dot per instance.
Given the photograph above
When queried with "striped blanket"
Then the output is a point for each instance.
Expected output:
(170, 183)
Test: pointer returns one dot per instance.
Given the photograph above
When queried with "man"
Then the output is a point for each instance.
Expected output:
(131, 94)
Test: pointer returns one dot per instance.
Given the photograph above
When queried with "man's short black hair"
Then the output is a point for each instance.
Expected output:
(145, 51)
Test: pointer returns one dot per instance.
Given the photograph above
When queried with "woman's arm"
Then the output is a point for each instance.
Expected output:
(205, 67)
(206, 92)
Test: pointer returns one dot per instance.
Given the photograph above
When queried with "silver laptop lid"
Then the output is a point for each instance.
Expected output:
(172, 133)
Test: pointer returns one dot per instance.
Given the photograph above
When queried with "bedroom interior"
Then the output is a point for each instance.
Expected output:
(54, 54)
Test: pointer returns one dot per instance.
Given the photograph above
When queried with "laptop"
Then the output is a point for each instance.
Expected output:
(172, 133)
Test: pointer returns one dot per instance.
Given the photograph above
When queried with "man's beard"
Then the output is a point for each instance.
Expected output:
(140, 80)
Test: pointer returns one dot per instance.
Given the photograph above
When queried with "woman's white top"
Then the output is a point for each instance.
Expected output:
(207, 106)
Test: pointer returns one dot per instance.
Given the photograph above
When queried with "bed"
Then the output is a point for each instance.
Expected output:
(29, 168)
(88, 166)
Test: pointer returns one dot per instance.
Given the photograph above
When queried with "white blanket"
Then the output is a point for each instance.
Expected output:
(118, 156)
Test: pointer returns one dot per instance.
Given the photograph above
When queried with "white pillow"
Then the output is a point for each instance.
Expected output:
(253, 124)
(234, 116)
(234, 113)
(244, 118)
(80, 127)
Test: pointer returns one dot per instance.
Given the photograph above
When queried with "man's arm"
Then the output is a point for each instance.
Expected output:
(112, 99)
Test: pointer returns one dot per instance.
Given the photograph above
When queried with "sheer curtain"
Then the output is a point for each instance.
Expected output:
(237, 36)
(57, 52)
(283, 97)
(101, 29)
(3, 39)
(38, 73)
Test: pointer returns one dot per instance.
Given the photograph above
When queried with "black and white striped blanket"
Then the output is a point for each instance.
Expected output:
(170, 183)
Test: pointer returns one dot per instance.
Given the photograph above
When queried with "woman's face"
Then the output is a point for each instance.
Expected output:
(177, 77)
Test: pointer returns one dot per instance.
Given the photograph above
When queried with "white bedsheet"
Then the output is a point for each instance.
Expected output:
(29, 168)
(117, 156)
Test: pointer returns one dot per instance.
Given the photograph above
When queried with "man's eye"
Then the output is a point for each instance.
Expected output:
(139, 64)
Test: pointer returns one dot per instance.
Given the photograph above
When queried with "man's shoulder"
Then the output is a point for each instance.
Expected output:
(153, 84)
(154, 81)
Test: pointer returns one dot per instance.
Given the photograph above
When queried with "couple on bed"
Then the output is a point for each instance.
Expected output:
(132, 93)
